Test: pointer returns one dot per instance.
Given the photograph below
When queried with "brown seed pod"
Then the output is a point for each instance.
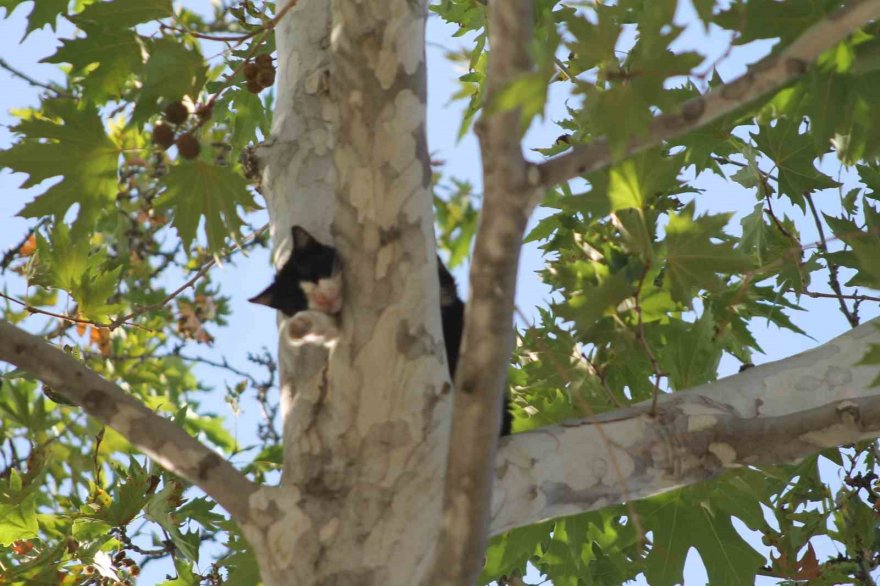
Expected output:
(188, 146)
(266, 77)
(253, 86)
(163, 136)
(250, 71)
(263, 61)
(176, 112)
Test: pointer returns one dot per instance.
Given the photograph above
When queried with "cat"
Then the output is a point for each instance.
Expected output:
(308, 289)
(310, 279)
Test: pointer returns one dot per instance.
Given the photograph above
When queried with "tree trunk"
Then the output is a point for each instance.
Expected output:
(361, 496)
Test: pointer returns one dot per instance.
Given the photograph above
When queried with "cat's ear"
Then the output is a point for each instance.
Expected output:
(301, 239)
(266, 297)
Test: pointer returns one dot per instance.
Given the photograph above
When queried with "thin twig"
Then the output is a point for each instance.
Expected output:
(32, 309)
(818, 295)
(833, 280)
(23, 76)
(189, 283)
(640, 335)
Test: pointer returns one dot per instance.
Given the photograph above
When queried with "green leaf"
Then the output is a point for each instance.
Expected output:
(691, 352)
(638, 180)
(690, 518)
(69, 263)
(43, 12)
(589, 304)
(769, 19)
(245, 113)
(107, 59)
(18, 509)
(120, 14)
(528, 92)
(173, 71)
(510, 551)
(158, 509)
(794, 156)
(694, 257)
(48, 142)
(199, 190)
(864, 255)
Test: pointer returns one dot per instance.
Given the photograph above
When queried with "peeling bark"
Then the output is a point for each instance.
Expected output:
(365, 431)
(161, 439)
(776, 413)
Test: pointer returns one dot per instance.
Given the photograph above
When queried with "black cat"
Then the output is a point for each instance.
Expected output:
(311, 280)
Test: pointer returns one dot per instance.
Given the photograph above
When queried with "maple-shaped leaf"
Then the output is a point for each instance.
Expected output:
(697, 251)
(245, 113)
(161, 509)
(18, 507)
(691, 352)
(64, 256)
(173, 70)
(864, 252)
(196, 190)
(65, 139)
(42, 13)
(68, 262)
(107, 58)
(695, 517)
(793, 155)
(635, 181)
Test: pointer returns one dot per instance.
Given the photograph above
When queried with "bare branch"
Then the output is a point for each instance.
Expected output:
(160, 439)
(768, 75)
(819, 399)
(488, 334)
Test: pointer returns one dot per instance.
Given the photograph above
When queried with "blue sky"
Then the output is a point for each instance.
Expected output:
(252, 327)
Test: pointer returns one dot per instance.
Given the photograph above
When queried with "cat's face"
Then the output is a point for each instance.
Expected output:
(310, 279)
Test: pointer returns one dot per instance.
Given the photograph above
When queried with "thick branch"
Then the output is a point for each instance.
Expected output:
(768, 75)
(160, 439)
(773, 414)
(488, 337)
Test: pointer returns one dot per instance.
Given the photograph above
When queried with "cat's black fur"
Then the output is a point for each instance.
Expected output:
(311, 262)
(452, 315)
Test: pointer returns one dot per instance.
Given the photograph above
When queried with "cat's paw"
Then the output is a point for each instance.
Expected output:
(311, 326)
(325, 295)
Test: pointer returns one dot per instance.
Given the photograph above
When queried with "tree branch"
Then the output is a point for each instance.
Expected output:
(768, 75)
(160, 439)
(488, 334)
(817, 399)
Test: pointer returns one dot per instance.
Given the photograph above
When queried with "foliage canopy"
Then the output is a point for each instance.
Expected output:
(651, 290)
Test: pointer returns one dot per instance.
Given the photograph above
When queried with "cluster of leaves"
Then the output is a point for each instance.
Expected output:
(124, 228)
(651, 294)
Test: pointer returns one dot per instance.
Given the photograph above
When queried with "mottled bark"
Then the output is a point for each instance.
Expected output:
(161, 439)
(488, 335)
(776, 413)
(365, 431)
